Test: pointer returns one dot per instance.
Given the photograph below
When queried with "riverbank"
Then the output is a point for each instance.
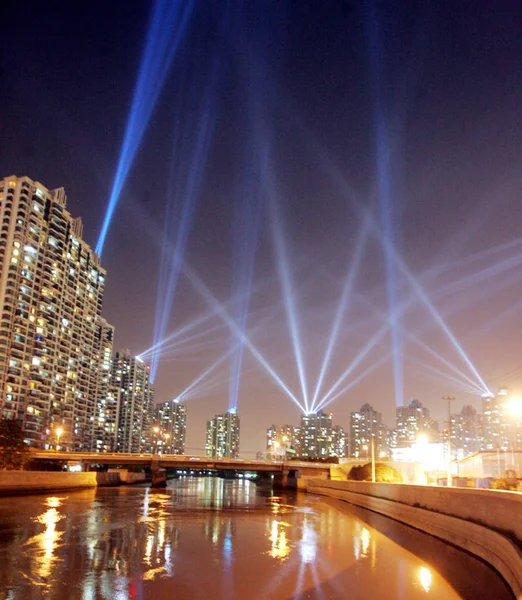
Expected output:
(481, 522)
(16, 483)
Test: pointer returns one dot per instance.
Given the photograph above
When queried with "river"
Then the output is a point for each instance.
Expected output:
(207, 538)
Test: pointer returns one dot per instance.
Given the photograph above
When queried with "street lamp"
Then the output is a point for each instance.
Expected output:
(450, 473)
(514, 409)
(365, 448)
(59, 432)
(156, 431)
(275, 447)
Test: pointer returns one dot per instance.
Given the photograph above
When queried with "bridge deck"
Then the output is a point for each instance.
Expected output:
(178, 461)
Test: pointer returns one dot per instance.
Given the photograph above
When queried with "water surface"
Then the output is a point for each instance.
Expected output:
(214, 539)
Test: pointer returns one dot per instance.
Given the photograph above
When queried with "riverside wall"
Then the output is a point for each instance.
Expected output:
(25, 482)
(483, 522)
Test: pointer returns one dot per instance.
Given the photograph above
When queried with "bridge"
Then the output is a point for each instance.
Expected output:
(283, 470)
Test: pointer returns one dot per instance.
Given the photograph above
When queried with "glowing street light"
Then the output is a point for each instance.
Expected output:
(422, 439)
(449, 399)
(514, 407)
(365, 448)
(59, 433)
(514, 410)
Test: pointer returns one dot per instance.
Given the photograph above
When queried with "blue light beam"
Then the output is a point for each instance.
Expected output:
(388, 247)
(207, 295)
(167, 25)
(288, 294)
(341, 309)
(383, 158)
(193, 174)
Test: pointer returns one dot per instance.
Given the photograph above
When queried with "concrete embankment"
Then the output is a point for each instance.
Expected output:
(29, 482)
(26, 482)
(483, 522)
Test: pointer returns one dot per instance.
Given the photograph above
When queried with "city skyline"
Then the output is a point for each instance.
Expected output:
(455, 188)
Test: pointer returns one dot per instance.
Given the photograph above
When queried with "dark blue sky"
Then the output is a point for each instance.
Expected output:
(449, 87)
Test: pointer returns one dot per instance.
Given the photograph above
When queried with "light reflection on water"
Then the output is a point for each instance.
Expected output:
(42, 546)
(200, 538)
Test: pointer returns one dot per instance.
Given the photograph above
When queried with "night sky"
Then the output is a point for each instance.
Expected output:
(327, 118)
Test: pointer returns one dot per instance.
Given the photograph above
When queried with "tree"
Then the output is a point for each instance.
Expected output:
(14, 452)
(383, 473)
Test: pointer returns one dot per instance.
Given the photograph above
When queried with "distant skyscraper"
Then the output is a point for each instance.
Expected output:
(364, 424)
(106, 398)
(502, 428)
(339, 442)
(411, 421)
(223, 436)
(130, 377)
(171, 418)
(51, 292)
(283, 441)
(316, 435)
(466, 432)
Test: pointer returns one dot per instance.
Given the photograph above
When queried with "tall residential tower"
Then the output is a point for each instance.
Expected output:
(51, 292)
(223, 436)
(171, 418)
(131, 384)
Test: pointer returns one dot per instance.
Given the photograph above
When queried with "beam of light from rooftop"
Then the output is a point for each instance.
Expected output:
(388, 247)
(341, 309)
(217, 381)
(167, 294)
(384, 186)
(187, 172)
(207, 295)
(415, 337)
(283, 269)
(168, 23)
(373, 367)
(206, 373)
(443, 360)
(440, 376)
(230, 351)
(194, 323)
(258, 101)
(443, 291)
(367, 348)
(179, 345)
(246, 232)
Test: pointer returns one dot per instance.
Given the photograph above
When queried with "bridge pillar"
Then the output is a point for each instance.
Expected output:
(159, 475)
(285, 480)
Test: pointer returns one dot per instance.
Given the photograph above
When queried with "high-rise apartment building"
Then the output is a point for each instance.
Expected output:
(339, 442)
(171, 419)
(365, 424)
(502, 426)
(106, 396)
(466, 432)
(223, 436)
(413, 420)
(130, 378)
(283, 441)
(51, 291)
(316, 435)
